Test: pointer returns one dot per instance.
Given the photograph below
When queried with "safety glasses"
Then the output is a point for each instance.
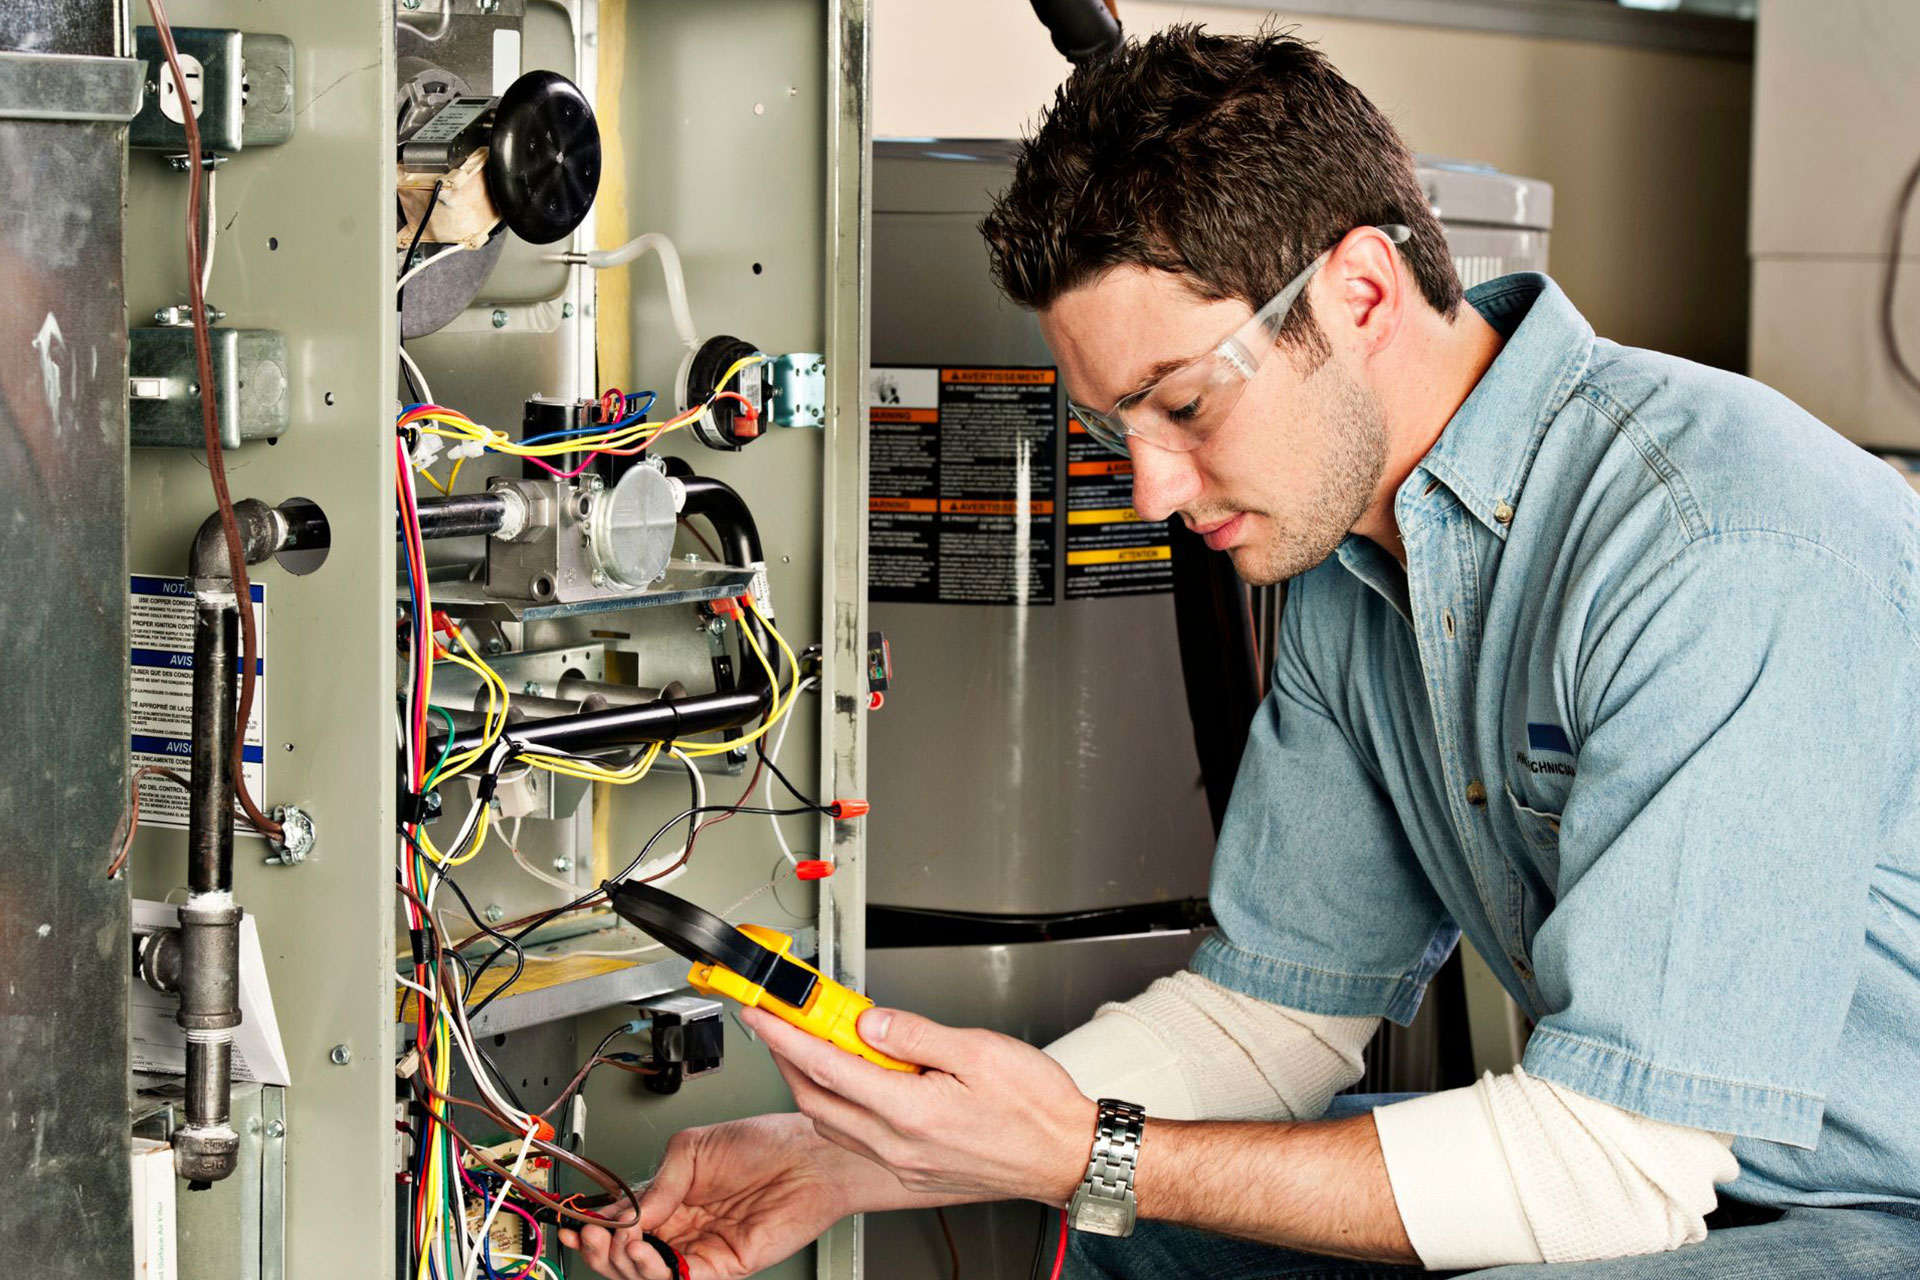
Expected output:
(1181, 410)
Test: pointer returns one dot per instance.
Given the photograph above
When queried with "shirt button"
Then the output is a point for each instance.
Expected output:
(1503, 512)
(1477, 794)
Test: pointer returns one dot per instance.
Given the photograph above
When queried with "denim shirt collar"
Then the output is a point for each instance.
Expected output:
(1485, 451)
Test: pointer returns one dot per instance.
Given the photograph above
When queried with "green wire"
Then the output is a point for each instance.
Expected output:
(446, 750)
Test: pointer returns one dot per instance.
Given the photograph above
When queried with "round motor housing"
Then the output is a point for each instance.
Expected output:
(543, 168)
(630, 527)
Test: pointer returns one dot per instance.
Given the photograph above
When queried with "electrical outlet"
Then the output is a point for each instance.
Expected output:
(239, 84)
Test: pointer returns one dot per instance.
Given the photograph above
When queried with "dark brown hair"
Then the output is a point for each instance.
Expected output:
(1233, 161)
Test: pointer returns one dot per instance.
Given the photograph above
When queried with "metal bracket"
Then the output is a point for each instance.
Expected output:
(798, 395)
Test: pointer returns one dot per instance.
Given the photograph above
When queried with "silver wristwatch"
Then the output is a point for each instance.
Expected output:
(1104, 1203)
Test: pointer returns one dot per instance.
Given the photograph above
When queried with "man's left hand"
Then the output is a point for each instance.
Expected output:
(989, 1119)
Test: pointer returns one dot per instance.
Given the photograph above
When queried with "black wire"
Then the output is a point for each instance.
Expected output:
(501, 1076)
(693, 786)
(1888, 330)
(547, 917)
(1040, 1246)
(760, 747)
(413, 246)
(506, 944)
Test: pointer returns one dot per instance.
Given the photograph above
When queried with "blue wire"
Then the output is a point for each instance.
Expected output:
(639, 415)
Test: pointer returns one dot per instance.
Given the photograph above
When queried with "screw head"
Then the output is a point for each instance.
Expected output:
(499, 317)
(692, 557)
(716, 625)
(275, 1129)
(566, 311)
(531, 688)
(340, 1056)
(563, 865)
(599, 578)
(494, 913)
(495, 644)
(409, 4)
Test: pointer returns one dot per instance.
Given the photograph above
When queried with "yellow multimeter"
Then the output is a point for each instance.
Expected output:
(752, 965)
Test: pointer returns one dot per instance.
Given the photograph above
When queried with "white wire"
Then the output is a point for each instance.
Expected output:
(773, 757)
(460, 246)
(211, 238)
(419, 378)
(486, 1223)
(513, 847)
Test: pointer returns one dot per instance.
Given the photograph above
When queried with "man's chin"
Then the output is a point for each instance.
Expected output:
(1266, 566)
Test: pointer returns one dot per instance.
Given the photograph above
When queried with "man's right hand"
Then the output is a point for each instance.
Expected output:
(738, 1197)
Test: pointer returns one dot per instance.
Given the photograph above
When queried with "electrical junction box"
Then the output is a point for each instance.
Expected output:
(249, 380)
(240, 86)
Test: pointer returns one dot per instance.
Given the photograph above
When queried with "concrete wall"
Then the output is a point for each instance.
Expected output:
(1648, 151)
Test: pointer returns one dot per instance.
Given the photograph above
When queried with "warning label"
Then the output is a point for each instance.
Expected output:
(161, 690)
(961, 502)
(1111, 551)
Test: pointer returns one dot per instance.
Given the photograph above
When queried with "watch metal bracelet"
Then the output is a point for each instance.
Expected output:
(1104, 1203)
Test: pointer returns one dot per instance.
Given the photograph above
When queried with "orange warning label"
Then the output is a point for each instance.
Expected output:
(889, 413)
(1101, 467)
(993, 507)
(1004, 377)
(925, 506)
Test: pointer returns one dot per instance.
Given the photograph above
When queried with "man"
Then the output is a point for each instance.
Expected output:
(1604, 659)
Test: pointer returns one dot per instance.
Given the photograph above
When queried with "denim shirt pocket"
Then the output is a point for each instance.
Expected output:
(1540, 829)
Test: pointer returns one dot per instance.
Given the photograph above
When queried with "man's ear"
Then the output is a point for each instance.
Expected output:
(1367, 293)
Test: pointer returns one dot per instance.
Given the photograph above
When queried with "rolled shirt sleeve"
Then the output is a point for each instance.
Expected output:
(1322, 905)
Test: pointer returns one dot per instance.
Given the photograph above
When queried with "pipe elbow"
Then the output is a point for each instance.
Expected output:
(263, 531)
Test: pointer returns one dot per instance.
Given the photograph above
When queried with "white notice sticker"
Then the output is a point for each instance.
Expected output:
(161, 697)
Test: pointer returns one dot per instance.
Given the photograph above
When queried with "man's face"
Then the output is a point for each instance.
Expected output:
(1283, 477)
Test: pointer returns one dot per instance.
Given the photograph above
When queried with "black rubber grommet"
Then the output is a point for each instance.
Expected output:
(544, 166)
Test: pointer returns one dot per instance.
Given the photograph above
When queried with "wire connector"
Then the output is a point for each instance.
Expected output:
(841, 810)
(812, 869)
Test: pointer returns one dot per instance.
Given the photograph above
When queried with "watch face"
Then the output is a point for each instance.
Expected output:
(1103, 1217)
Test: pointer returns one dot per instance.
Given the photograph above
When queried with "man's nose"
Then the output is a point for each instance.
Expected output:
(1164, 481)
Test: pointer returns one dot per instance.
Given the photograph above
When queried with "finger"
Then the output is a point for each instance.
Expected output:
(668, 1189)
(838, 1071)
(598, 1248)
(912, 1038)
(644, 1258)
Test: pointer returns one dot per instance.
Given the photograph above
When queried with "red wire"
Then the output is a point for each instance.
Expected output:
(1060, 1254)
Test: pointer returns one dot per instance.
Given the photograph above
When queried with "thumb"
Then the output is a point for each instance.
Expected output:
(668, 1188)
(912, 1038)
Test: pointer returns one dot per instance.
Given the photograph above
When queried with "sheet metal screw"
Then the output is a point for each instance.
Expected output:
(563, 865)
(275, 1129)
(566, 311)
(531, 688)
(494, 913)
(409, 4)
(340, 1056)
(499, 317)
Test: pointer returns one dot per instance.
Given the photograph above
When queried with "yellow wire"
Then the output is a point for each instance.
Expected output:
(779, 707)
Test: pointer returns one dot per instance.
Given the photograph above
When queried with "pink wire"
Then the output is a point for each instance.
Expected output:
(539, 1235)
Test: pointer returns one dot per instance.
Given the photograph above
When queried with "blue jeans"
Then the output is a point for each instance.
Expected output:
(1880, 1242)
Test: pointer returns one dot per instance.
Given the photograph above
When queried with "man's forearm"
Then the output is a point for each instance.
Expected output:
(1320, 1186)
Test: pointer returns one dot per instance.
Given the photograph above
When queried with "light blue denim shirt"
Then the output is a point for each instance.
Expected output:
(1639, 719)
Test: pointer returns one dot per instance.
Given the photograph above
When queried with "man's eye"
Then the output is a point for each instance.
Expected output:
(1186, 412)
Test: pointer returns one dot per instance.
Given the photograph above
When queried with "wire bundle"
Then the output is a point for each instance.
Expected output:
(622, 435)
(444, 1176)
